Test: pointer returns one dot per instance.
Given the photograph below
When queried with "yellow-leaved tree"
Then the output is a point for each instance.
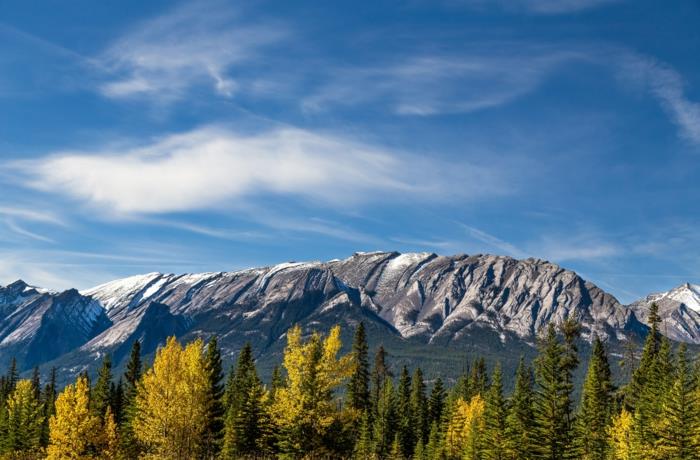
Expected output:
(74, 432)
(171, 402)
(621, 436)
(304, 408)
(465, 427)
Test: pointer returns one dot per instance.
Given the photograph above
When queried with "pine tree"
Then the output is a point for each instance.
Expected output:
(358, 387)
(24, 419)
(434, 450)
(380, 373)
(552, 401)
(244, 424)
(364, 446)
(520, 423)
(495, 414)
(595, 411)
(132, 375)
(419, 408)
(214, 431)
(101, 396)
(117, 403)
(36, 383)
(436, 403)
(406, 432)
(74, 430)
(478, 378)
(49, 405)
(642, 374)
(678, 422)
(172, 400)
(385, 420)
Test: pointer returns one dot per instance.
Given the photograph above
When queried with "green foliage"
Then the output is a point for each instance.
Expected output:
(358, 386)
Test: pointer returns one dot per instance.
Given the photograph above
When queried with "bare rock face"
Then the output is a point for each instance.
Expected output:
(679, 310)
(415, 298)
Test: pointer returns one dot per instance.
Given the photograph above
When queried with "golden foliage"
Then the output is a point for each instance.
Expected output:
(621, 436)
(73, 428)
(465, 426)
(171, 402)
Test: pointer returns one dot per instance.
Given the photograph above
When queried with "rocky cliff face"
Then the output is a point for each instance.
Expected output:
(416, 298)
(679, 310)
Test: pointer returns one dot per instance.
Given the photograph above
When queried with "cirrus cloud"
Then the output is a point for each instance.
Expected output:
(211, 167)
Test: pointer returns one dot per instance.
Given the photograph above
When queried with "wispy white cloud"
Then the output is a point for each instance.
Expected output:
(494, 242)
(667, 85)
(196, 43)
(211, 167)
(437, 84)
(19, 230)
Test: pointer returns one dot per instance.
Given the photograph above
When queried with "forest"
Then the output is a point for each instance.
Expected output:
(322, 404)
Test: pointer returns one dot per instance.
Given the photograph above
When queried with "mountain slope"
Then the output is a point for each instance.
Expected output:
(413, 301)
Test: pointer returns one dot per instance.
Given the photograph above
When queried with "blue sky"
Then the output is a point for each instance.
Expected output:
(214, 135)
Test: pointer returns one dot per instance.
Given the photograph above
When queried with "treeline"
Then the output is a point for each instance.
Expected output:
(320, 404)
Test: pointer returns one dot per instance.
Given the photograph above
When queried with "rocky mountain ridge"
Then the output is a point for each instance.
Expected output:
(420, 299)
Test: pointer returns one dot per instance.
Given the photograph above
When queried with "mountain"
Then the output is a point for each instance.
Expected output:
(416, 303)
(679, 309)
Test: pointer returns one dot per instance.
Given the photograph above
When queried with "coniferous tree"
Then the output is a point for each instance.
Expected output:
(436, 403)
(358, 386)
(552, 399)
(520, 423)
(244, 423)
(380, 373)
(495, 414)
(478, 379)
(214, 430)
(364, 446)
(24, 419)
(385, 420)
(678, 421)
(406, 432)
(643, 372)
(101, 396)
(419, 408)
(132, 375)
(434, 450)
(36, 383)
(49, 405)
(117, 403)
(595, 410)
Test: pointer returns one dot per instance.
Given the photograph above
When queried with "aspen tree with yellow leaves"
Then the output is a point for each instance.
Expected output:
(171, 402)
(74, 430)
(304, 407)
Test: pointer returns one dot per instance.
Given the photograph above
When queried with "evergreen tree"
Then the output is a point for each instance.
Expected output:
(117, 403)
(101, 396)
(552, 401)
(495, 414)
(24, 419)
(434, 450)
(520, 423)
(678, 423)
(36, 383)
(419, 408)
(643, 373)
(380, 373)
(214, 430)
(49, 406)
(406, 432)
(478, 379)
(436, 403)
(364, 447)
(358, 387)
(244, 424)
(596, 407)
(385, 420)
(132, 375)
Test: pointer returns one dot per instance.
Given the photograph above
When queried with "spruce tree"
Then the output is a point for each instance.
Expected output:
(678, 423)
(132, 376)
(385, 420)
(364, 446)
(213, 433)
(380, 373)
(478, 379)
(495, 413)
(552, 399)
(358, 386)
(101, 396)
(48, 400)
(36, 383)
(520, 423)
(436, 403)
(643, 373)
(419, 408)
(595, 411)
(406, 433)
